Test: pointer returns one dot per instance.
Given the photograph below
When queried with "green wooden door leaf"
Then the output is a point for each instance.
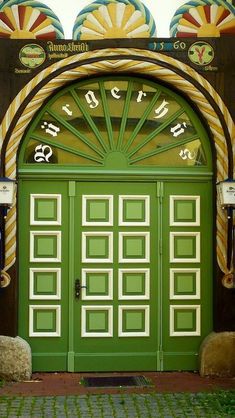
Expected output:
(115, 316)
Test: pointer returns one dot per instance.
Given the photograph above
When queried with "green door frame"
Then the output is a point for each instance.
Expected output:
(113, 158)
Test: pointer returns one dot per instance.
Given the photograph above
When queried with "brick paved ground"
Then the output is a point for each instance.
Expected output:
(116, 406)
(59, 395)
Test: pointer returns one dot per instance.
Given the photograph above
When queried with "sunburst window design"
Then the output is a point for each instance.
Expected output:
(114, 19)
(209, 19)
(116, 123)
(28, 20)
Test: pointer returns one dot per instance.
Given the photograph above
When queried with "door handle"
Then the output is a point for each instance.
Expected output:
(78, 288)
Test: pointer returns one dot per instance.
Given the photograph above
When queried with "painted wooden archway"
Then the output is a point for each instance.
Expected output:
(159, 67)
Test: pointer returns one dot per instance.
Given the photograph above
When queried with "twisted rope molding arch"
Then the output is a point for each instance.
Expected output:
(117, 60)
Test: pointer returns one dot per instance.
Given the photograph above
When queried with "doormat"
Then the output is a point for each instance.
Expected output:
(115, 381)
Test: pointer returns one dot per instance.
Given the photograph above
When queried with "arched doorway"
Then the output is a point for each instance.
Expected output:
(114, 179)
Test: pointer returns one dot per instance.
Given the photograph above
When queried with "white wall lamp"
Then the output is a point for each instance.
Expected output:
(226, 193)
(7, 194)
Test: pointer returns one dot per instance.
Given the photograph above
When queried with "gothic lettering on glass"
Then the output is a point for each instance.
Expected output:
(115, 94)
(186, 154)
(91, 99)
(42, 153)
(66, 109)
(178, 129)
(50, 128)
(161, 110)
(140, 95)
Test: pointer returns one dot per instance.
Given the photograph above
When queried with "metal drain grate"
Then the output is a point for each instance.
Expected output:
(115, 381)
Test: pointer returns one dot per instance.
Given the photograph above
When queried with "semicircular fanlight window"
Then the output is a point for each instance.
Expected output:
(117, 123)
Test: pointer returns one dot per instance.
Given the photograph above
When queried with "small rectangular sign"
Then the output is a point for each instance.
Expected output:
(226, 191)
(6, 192)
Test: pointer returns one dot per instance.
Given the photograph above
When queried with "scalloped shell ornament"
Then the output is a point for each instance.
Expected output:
(28, 20)
(203, 19)
(112, 19)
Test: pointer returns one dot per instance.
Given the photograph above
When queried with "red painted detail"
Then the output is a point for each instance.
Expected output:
(38, 21)
(207, 11)
(5, 35)
(223, 16)
(7, 21)
(200, 54)
(49, 35)
(191, 19)
(186, 35)
(228, 31)
(21, 14)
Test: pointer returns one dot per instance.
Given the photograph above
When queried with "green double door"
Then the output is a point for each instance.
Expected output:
(114, 275)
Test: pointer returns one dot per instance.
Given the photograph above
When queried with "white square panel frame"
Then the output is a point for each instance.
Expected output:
(97, 297)
(33, 197)
(85, 198)
(134, 234)
(97, 234)
(84, 309)
(198, 283)
(45, 259)
(197, 331)
(56, 296)
(57, 332)
(174, 198)
(134, 297)
(198, 247)
(145, 333)
(146, 199)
